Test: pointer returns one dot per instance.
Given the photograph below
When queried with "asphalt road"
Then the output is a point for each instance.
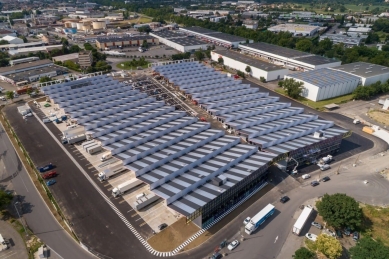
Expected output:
(34, 210)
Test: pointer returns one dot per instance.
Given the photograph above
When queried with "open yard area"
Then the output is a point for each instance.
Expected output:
(380, 116)
(141, 19)
(320, 104)
(376, 223)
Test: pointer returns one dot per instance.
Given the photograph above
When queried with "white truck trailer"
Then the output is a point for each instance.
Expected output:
(304, 216)
(126, 186)
(94, 149)
(110, 171)
(146, 200)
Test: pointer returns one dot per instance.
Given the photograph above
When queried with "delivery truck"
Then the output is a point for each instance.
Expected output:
(146, 200)
(111, 171)
(304, 216)
(126, 186)
(258, 219)
(94, 149)
(105, 157)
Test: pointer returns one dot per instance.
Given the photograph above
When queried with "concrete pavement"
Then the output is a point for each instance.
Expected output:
(34, 210)
(17, 248)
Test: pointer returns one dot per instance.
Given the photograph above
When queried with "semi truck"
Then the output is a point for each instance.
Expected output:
(144, 201)
(126, 186)
(108, 162)
(73, 139)
(94, 149)
(258, 219)
(304, 216)
(105, 174)
(105, 157)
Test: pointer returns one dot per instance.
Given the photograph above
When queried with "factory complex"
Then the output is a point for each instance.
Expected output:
(192, 167)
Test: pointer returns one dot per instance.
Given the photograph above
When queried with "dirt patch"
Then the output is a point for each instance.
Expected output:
(380, 116)
(173, 236)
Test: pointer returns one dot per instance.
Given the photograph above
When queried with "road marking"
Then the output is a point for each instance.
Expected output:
(133, 215)
(107, 184)
(276, 240)
(11, 253)
(90, 167)
(130, 210)
(120, 202)
(144, 223)
(96, 173)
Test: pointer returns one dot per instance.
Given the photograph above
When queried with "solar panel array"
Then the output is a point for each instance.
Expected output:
(176, 154)
(258, 118)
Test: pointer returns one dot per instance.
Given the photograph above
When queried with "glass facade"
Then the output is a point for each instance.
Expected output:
(216, 207)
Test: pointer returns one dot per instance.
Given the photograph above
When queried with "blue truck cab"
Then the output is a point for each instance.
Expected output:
(45, 168)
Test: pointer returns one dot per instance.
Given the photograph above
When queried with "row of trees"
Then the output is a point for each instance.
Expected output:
(366, 92)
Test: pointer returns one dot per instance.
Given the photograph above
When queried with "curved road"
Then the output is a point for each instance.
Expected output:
(34, 210)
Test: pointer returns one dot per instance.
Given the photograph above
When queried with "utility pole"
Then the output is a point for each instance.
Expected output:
(356, 160)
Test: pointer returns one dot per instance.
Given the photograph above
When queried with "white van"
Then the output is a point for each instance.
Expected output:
(139, 196)
(306, 176)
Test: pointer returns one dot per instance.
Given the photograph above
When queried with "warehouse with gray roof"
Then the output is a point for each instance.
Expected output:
(179, 41)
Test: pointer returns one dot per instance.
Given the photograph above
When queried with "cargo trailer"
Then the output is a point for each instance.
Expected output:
(146, 200)
(126, 186)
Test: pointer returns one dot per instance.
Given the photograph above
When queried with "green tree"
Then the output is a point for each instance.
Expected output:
(329, 246)
(340, 210)
(293, 88)
(248, 69)
(220, 61)
(303, 253)
(10, 95)
(3, 42)
(145, 44)
(199, 55)
(304, 45)
(24, 39)
(64, 42)
(367, 248)
(325, 44)
(44, 79)
(5, 199)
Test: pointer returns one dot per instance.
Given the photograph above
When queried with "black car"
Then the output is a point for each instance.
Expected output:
(347, 231)
(314, 183)
(162, 226)
(216, 256)
(284, 199)
(325, 179)
(339, 233)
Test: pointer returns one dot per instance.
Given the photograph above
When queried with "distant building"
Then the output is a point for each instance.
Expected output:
(69, 57)
(358, 30)
(120, 41)
(250, 24)
(7, 32)
(13, 40)
(179, 41)
(296, 29)
(85, 59)
(49, 40)
(345, 39)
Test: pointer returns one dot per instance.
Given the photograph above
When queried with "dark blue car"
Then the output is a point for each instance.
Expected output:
(45, 168)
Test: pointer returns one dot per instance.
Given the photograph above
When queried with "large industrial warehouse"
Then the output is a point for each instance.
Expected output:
(215, 37)
(289, 58)
(198, 171)
(115, 41)
(367, 72)
(258, 68)
(325, 83)
(179, 41)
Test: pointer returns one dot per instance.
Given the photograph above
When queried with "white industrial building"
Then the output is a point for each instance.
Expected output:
(347, 40)
(258, 68)
(324, 83)
(368, 73)
(179, 41)
(295, 29)
(13, 39)
(215, 37)
(289, 58)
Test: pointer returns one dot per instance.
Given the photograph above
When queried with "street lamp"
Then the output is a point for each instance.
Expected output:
(20, 218)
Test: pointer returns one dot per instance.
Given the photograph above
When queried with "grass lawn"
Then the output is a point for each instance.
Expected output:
(126, 67)
(352, 7)
(376, 223)
(140, 20)
(320, 104)
(380, 116)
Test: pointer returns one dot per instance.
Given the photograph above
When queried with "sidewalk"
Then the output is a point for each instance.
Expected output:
(17, 248)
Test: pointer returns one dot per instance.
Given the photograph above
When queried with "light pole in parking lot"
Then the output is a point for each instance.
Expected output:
(17, 211)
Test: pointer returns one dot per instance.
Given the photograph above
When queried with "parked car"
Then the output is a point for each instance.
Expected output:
(162, 226)
(339, 233)
(306, 176)
(233, 245)
(316, 225)
(325, 179)
(314, 183)
(216, 256)
(247, 220)
(50, 182)
(311, 236)
(325, 167)
(284, 199)
(330, 232)
(46, 120)
(45, 168)
(1, 89)
(49, 175)
(347, 231)
(355, 236)
(3, 98)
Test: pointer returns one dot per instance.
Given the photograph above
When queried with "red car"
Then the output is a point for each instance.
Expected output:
(49, 175)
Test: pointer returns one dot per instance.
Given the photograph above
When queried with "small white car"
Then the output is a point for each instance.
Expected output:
(3, 98)
(233, 245)
(46, 120)
(306, 176)
(311, 236)
(247, 220)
